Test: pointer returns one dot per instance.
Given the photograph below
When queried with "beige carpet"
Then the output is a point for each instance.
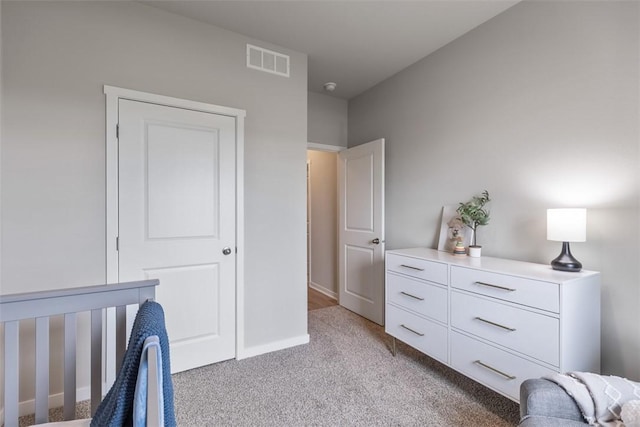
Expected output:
(346, 376)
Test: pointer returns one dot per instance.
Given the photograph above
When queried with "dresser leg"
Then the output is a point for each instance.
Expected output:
(393, 346)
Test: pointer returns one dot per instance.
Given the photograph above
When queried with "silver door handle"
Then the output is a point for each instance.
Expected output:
(226, 251)
(376, 241)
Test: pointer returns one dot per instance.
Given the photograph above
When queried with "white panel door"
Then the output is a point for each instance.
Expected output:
(361, 230)
(177, 223)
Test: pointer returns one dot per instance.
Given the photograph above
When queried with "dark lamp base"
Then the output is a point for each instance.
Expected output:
(565, 261)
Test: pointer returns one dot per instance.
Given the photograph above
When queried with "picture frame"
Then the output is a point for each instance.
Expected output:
(452, 230)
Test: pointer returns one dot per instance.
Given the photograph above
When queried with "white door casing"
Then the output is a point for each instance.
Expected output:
(361, 230)
(178, 203)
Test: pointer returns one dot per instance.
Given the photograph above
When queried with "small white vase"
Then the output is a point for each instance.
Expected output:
(475, 251)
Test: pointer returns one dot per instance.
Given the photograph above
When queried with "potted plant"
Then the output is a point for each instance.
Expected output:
(474, 214)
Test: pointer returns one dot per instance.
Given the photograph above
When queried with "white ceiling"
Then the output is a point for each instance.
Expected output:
(354, 43)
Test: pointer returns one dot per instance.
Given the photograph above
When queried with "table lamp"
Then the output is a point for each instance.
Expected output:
(566, 225)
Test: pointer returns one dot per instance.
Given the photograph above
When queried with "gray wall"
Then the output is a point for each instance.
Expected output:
(323, 217)
(1, 103)
(540, 107)
(57, 57)
(327, 120)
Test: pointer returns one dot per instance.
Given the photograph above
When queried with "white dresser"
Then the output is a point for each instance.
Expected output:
(497, 321)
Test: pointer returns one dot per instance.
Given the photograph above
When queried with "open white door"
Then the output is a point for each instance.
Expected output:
(176, 211)
(361, 230)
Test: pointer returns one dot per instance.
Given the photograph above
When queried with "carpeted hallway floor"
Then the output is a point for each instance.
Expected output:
(346, 376)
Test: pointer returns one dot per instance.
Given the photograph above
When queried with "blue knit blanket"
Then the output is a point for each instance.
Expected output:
(116, 410)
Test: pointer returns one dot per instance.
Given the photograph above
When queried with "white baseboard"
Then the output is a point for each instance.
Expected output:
(274, 346)
(323, 290)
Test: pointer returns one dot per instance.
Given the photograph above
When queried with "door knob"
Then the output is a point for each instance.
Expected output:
(226, 251)
(376, 241)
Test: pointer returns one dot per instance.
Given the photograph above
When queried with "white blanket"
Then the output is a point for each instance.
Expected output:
(599, 397)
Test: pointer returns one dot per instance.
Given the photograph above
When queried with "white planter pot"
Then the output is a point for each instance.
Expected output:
(475, 251)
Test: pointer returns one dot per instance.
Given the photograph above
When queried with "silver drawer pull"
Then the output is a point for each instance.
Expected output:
(492, 369)
(495, 324)
(413, 268)
(411, 330)
(412, 296)
(503, 288)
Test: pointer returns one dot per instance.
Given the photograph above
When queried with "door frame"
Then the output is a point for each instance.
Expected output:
(113, 95)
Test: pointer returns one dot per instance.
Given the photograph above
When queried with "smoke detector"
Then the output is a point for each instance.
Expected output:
(330, 86)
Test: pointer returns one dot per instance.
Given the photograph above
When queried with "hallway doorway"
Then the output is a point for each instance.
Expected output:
(322, 246)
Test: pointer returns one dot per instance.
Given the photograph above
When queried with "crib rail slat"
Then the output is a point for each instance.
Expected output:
(70, 366)
(121, 334)
(42, 370)
(96, 359)
(11, 369)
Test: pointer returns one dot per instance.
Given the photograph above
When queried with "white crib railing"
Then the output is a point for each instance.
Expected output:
(68, 302)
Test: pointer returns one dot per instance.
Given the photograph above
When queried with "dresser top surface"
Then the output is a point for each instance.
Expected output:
(496, 265)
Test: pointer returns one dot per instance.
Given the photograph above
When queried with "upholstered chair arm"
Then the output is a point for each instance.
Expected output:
(544, 403)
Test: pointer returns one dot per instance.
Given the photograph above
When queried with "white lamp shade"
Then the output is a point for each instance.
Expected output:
(567, 225)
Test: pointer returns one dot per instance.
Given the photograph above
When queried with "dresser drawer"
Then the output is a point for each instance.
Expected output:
(420, 268)
(534, 293)
(533, 334)
(495, 368)
(423, 298)
(427, 336)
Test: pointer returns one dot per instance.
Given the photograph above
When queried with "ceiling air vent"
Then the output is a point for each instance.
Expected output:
(267, 60)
